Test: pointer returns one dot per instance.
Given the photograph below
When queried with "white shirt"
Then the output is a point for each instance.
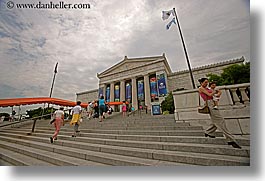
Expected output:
(77, 109)
(58, 113)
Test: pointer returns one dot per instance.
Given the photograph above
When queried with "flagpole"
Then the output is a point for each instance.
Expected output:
(55, 72)
(184, 47)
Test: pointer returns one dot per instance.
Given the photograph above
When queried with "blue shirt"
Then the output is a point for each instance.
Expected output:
(101, 102)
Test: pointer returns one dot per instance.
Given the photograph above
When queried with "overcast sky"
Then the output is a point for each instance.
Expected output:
(88, 41)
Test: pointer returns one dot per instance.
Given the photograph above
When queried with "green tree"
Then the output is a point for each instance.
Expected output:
(168, 104)
(38, 112)
(234, 74)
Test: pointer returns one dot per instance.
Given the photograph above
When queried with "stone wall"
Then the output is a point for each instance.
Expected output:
(87, 96)
(181, 79)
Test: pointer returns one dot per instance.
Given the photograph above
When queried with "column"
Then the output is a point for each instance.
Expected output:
(112, 92)
(134, 94)
(147, 95)
(122, 90)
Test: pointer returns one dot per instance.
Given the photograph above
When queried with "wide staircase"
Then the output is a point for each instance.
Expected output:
(137, 140)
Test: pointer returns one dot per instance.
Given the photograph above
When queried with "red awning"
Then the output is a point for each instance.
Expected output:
(116, 103)
(37, 100)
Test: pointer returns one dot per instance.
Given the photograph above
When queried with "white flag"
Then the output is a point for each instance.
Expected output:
(166, 14)
(170, 23)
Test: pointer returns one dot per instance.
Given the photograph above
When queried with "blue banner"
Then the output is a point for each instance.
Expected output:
(140, 89)
(161, 83)
(156, 110)
(128, 91)
(100, 92)
(117, 93)
(153, 87)
(107, 94)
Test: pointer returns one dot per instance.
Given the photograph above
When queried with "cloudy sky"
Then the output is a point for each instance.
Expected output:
(88, 41)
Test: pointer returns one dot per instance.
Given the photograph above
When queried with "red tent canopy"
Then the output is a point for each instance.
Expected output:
(116, 103)
(37, 100)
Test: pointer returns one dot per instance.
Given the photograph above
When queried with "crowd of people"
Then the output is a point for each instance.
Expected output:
(95, 109)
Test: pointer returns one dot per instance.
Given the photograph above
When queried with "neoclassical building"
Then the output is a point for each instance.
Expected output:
(146, 80)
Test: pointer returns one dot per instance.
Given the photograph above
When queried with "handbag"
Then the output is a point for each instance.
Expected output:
(205, 109)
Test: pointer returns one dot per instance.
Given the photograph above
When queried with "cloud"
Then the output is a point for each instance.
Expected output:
(86, 42)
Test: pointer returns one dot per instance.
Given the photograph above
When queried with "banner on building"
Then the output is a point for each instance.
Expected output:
(161, 83)
(100, 92)
(116, 93)
(153, 87)
(107, 94)
(128, 91)
(140, 89)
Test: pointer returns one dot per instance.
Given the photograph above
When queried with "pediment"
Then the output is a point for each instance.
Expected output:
(130, 64)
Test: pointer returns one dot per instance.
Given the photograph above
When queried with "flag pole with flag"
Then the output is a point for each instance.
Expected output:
(166, 15)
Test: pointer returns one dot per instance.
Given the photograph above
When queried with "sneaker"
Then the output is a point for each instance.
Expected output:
(55, 138)
(51, 139)
(73, 136)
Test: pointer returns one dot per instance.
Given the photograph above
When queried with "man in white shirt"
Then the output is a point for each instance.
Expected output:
(76, 111)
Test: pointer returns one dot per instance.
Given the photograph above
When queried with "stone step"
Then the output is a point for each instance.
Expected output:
(124, 124)
(139, 127)
(128, 126)
(47, 155)
(5, 163)
(84, 156)
(18, 159)
(131, 132)
(97, 143)
(116, 121)
(172, 139)
(131, 124)
(114, 159)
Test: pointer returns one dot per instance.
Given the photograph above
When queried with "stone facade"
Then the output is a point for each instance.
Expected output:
(134, 70)
(87, 96)
(181, 79)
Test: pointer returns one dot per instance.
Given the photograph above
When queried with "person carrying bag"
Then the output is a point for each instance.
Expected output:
(217, 121)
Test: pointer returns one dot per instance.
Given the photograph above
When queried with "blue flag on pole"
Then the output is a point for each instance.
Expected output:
(170, 23)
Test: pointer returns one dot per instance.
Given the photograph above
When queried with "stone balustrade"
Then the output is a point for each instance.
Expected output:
(234, 105)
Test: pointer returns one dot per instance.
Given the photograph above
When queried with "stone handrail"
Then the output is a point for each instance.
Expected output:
(234, 105)
(231, 95)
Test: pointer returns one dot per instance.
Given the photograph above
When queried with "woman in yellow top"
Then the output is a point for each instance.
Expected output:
(76, 117)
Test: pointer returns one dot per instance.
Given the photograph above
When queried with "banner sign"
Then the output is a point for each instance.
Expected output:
(128, 91)
(107, 94)
(161, 84)
(100, 92)
(140, 89)
(153, 87)
(156, 110)
(117, 93)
